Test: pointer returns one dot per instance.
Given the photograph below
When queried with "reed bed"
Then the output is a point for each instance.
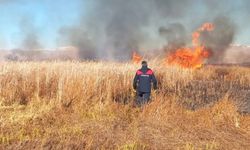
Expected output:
(89, 105)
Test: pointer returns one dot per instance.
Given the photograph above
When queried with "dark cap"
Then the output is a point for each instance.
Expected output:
(144, 63)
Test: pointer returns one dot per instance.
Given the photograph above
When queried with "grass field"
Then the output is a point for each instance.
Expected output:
(89, 105)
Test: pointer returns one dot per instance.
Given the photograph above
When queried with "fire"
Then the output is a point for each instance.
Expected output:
(136, 58)
(192, 57)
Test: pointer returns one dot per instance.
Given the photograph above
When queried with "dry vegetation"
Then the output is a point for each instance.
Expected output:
(89, 105)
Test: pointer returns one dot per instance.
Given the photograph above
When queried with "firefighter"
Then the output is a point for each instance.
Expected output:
(142, 84)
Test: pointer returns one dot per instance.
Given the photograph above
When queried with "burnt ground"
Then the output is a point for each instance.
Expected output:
(199, 94)
(246, 64)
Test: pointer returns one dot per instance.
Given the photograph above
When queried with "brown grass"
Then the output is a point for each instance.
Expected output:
(88, 105)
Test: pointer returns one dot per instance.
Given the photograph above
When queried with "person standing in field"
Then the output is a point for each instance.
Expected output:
(143, 79)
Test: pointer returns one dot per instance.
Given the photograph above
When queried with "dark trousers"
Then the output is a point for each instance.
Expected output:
(142, 98)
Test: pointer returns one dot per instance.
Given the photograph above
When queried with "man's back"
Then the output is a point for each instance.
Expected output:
(143, 79)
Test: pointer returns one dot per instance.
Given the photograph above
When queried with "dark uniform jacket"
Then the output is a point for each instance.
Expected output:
(143, 79)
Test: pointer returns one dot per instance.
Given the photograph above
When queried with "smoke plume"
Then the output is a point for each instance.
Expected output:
(220, 39)
(113, 29)
(79, 38)
(118, 27)
(30, 34)
(175, 35)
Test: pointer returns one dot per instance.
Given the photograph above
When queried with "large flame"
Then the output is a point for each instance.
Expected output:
(192, 57)
(136, 58)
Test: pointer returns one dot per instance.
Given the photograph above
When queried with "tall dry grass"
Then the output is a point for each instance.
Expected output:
(89, 105)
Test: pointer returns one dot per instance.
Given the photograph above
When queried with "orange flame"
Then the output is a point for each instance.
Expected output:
(136, 58)
(192, 57)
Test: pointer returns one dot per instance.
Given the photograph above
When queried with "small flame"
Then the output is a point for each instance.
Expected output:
(136, 58)
(192, 57)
